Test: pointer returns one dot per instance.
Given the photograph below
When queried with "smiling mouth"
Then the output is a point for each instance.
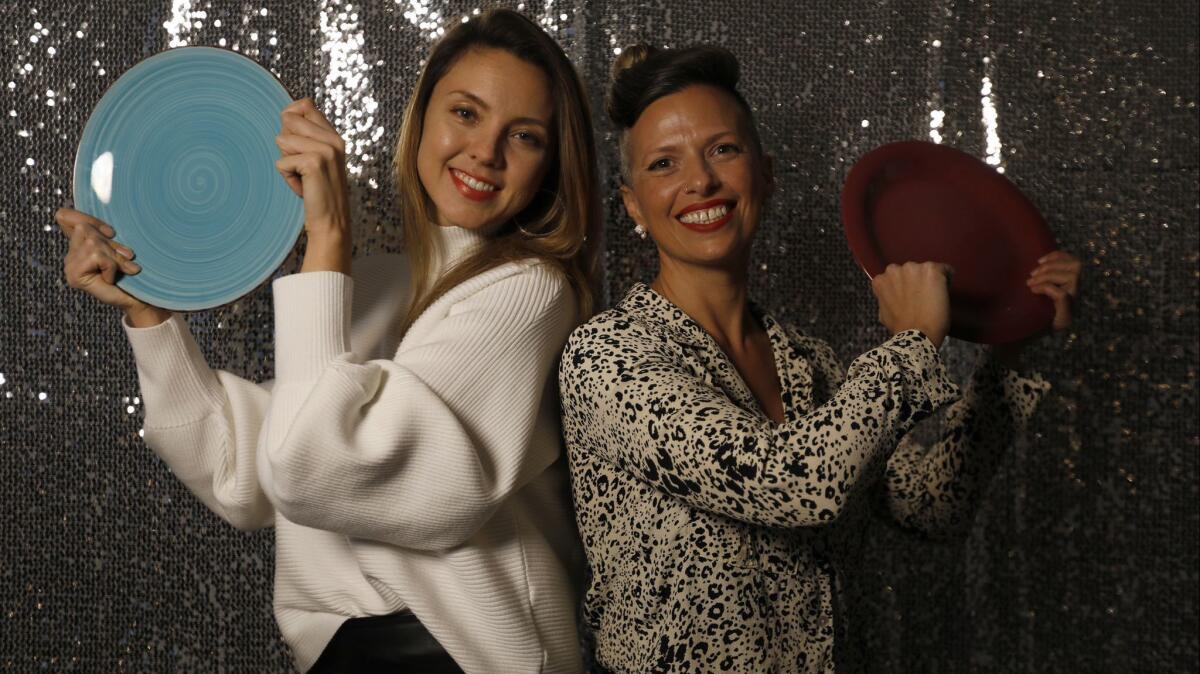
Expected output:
(707, 216)
(473, 188)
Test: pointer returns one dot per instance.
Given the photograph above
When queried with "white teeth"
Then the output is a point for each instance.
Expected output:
(473, 183)
(705, 216)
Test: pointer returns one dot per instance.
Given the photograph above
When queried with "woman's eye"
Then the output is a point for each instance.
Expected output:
(529, 138)
(659, 164)
(726, 148)
(465, 114)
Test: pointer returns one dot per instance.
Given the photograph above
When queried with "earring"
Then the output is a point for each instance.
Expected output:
(537, 235)
(640, 231)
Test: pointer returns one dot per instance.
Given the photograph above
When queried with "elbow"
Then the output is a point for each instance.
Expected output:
(935, 523)
(429, 524)
(243, 516)
(301, 499)
(295, 508)
(438, 532)
(245, 520)
(947, 526)
(807, 512)
(827, 514)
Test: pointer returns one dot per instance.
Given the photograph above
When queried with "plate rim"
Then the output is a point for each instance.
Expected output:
(75, 183)
(868, 257)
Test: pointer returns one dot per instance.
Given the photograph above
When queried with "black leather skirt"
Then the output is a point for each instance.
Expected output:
(396, 643)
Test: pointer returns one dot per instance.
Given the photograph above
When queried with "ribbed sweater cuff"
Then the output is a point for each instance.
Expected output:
(312, 322)
(175, 380)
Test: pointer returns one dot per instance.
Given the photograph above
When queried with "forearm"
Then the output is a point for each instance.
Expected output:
(201, 422)
(939, 490)
(328, 251)
(146, 316)
(419, 449)
(651, 416)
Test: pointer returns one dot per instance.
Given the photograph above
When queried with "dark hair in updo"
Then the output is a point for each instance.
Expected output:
(643, 74)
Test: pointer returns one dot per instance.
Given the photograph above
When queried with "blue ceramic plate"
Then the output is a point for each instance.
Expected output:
(179, 157)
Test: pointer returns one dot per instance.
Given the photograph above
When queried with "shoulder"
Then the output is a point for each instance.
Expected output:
(511, 299)
(521, 286)
(611, 328)
(614, 341)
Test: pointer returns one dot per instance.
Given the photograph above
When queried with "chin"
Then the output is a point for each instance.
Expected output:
(717, 250)
(465, 218)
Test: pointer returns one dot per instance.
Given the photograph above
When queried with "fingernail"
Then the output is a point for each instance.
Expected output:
(135, 266)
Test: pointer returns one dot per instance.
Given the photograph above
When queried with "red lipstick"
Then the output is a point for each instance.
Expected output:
(707, 226)
(470, 192)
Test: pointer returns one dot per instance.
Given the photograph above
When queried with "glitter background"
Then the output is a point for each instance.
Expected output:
(1085, 554)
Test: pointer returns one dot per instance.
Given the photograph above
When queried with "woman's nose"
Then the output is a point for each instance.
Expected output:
(486, 148)
(702, 179)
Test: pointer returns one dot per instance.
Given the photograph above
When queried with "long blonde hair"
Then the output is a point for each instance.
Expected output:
(562, 224)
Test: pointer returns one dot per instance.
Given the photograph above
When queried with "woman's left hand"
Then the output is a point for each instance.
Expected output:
(1057, 277)
(314, 166)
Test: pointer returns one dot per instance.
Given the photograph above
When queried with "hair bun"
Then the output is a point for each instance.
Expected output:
(643, 74)
(624, 83)
(631, 56)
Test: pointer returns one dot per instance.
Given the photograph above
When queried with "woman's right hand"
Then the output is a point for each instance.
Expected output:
(93, 261)
(915, 296)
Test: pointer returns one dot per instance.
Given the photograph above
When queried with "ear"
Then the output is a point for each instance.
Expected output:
(631, 206)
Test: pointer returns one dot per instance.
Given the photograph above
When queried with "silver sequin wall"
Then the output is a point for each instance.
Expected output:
(1084, 556)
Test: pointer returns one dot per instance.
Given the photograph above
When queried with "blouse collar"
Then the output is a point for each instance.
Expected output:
(645, 302)
(658, 311)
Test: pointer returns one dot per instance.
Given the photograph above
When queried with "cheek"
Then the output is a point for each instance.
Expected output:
(427, 164)
(658, 202)
(436, 146)
(525, 176)
(740, 177)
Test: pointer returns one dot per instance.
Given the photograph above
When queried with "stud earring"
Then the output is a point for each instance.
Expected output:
(640, 231)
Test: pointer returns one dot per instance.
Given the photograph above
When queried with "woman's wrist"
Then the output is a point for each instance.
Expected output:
(327, 251)
(146, 316)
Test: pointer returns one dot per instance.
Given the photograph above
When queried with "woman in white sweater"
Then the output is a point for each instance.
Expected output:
(408, 450)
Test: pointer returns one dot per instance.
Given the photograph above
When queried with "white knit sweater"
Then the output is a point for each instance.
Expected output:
(422, 473)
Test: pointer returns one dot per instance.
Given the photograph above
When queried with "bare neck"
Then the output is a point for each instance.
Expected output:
(713, 297)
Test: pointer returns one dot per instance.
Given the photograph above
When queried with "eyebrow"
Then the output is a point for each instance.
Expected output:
(707, 141)
(481, 103)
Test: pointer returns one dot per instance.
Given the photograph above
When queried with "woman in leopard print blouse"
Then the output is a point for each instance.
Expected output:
(720, 460)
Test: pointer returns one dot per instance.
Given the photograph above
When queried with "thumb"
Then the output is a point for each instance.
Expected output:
(101, 284)
(1062, 304)
(292, 170)
(293, 181)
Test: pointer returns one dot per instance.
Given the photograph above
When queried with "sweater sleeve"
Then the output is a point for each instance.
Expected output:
(937, 490)
(419, 450)
(203, 423)
(633, 402)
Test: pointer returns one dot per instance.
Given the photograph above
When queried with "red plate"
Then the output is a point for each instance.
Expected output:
(917, 201)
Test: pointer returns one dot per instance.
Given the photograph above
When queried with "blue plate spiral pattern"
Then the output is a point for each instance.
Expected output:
(179, 157)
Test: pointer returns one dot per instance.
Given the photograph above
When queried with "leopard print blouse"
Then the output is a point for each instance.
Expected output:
(714, 536)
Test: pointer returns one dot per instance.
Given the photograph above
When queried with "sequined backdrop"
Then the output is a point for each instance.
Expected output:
(1085, 554)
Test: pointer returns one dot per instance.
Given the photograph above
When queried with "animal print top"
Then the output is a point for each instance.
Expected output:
(714, 536)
